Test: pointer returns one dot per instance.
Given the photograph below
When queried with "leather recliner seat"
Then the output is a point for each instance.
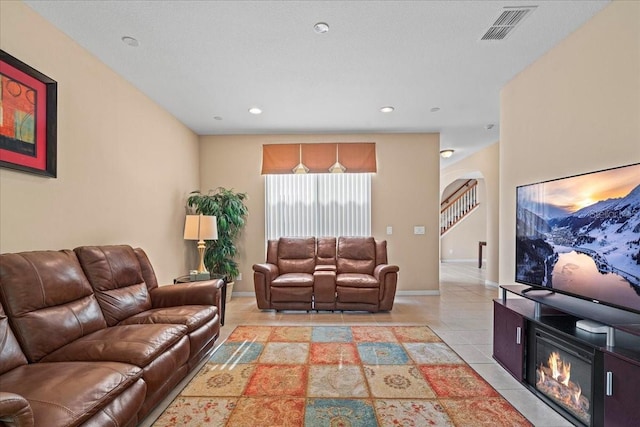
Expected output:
(348, 273)
(90, 332)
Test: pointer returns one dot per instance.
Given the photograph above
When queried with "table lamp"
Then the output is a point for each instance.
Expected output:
(201, 228)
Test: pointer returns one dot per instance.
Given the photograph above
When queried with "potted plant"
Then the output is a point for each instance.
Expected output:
(230, 211)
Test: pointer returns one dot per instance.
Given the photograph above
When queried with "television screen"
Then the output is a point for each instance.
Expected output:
(580, 235)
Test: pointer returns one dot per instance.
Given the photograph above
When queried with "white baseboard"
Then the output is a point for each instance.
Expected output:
(492, 284)
(461, 260)
(244, 294)
(411, 293)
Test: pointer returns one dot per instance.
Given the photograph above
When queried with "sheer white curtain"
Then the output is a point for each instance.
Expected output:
(318, 205)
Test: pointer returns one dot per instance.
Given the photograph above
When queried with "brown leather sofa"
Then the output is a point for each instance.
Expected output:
(87, 337)
(348, 273)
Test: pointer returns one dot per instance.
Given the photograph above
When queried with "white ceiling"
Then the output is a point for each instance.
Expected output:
(202, 59)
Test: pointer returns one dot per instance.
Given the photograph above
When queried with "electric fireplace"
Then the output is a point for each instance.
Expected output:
(561, 371)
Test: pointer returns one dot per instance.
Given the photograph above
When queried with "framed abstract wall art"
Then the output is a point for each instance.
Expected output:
(28, 114)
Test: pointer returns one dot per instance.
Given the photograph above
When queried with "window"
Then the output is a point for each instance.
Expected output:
(318, 205)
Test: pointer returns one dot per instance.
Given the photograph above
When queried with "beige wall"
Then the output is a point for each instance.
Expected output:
(575, 110)
(124, 164)
(485, 162)
(405, 192)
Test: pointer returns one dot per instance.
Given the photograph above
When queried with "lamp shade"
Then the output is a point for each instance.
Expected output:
(200, 227)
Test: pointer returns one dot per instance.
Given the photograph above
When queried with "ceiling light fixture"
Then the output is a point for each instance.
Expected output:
(489, 126)
(255, 110)
(435, 109)
(321, 28)
(447, 153)
(130, 41)
(387, 109)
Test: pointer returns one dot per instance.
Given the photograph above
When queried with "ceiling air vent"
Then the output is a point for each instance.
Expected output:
(510, 17)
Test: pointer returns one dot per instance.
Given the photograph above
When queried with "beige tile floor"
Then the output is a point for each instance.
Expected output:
(462, 315)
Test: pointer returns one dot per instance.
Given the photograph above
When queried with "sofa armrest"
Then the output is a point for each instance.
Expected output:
(263, 275)
(387, 275)
(383, 269)
(271, 271)
(15, 410)
(206, 292)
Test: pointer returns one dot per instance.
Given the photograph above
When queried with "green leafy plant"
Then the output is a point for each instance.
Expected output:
(230, 211)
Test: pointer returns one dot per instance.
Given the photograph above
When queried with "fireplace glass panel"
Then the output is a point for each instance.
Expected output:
(563, 374)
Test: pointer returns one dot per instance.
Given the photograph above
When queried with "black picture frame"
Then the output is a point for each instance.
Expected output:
(28, 126)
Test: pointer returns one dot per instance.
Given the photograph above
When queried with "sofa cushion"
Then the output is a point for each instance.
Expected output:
(356, 255)
(296, 255)
(148, 274)
(192, 316)
(11, 355)
(135, 344)
(48, 299)
(293, 279)
(326, 251)
(116, 277)
(357, 280)
(69, 393)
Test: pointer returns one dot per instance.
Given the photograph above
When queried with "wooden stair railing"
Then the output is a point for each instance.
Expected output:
(455, 207)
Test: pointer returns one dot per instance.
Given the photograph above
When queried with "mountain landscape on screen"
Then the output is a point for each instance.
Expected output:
(582, 235)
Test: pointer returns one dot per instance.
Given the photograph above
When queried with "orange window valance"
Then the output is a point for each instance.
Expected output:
(356, 157)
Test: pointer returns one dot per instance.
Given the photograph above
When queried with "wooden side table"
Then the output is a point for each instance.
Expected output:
(223, 298)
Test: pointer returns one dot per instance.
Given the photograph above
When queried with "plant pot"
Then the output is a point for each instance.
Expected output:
(229, 291)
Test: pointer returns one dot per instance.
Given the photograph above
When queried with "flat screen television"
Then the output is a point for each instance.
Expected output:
(580, 236)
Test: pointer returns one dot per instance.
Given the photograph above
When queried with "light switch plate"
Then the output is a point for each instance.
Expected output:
(389, 230)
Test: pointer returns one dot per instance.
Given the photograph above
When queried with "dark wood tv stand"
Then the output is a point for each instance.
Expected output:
(619, 375)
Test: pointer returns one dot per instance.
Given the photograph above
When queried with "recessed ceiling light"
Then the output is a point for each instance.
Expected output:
(321, 28)
(255, 110)
(446, 153)
(435, 109)
(130, 41)
(387, 109)
(217, 118)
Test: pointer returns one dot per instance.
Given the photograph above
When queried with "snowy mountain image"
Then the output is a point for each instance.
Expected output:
(572, 235)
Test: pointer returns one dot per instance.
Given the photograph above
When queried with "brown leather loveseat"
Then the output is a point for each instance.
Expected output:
(348, 273)
(87, 337)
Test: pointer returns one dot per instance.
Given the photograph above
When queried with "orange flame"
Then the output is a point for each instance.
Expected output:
(560, 370)
(553, 379)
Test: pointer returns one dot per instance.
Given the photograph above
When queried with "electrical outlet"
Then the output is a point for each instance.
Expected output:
(239, 277)
(418, 229)
(389, 230)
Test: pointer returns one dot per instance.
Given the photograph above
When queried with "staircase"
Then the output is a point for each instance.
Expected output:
(458, 205)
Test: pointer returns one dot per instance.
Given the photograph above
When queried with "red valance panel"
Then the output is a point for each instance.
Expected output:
(355, 157)
(318, 157)
(280, 158)
(358, 157)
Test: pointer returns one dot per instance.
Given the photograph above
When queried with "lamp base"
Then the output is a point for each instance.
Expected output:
(196, 277)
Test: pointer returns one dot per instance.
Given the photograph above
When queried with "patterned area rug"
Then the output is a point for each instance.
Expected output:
(337, 376)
